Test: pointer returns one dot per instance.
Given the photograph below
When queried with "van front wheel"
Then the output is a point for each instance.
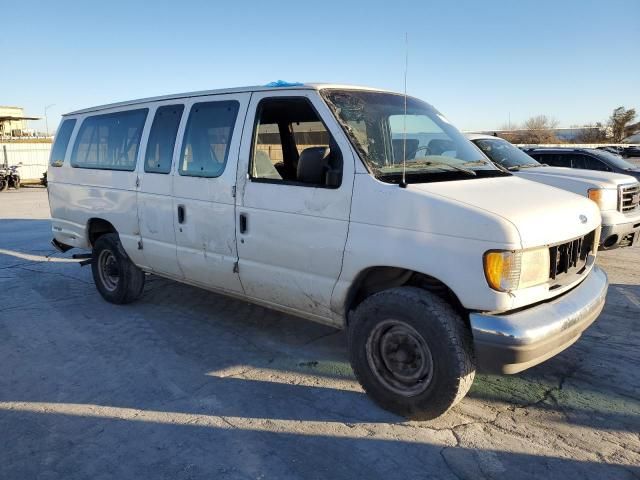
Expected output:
(411, 352)
(116, 277)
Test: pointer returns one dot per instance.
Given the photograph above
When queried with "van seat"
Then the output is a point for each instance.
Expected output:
(263, 167)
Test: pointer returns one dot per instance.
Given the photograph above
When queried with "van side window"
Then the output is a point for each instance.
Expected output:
(205, 147)
(63, 135)
(162, 139)
(293, 146)
(110, 141)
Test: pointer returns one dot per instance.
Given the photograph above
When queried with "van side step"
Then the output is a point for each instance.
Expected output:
(85, 257)
(61, 247)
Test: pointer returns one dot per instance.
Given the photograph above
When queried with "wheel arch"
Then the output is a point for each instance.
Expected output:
(96, 227)
(375, 279)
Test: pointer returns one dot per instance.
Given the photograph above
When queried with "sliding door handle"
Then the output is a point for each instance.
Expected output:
(243, 223)
(181, 213)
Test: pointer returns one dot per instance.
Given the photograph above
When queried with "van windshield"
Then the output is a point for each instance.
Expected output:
(384, 136)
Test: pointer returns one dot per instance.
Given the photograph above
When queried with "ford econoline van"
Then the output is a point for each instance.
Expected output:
(354, 207)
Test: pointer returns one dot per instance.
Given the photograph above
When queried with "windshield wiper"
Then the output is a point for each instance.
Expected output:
(444, 164)
(478, 162)
(515, 168)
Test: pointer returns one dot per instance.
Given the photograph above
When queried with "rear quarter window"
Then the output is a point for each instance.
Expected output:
(162, 139)
(63, 135)
(110, 141)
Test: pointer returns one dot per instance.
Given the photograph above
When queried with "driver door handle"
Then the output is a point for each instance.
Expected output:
(243, 223)
(181, 214)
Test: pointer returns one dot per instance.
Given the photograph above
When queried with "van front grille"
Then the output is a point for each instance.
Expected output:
(570, 259)
(629, 198)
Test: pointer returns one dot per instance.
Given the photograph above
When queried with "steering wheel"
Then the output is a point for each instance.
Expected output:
(426, 149)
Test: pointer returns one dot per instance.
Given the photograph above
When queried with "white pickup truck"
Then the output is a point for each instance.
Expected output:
(617, 195)
(298, 198)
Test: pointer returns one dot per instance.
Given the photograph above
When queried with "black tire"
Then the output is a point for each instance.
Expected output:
(4, 185)
(387, 334)
(116, 277)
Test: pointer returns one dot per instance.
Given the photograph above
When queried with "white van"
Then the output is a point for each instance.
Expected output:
(294, 197)
(617, 195)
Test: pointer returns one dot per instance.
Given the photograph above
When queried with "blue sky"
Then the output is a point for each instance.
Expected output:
(476, 61)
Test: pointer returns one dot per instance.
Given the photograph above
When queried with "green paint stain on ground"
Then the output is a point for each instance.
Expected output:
(574, 395)
(325, 368)
(508, 388)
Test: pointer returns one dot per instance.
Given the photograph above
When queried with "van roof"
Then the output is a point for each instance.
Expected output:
(258, 88)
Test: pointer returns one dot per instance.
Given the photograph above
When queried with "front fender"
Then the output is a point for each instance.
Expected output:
(454, 261)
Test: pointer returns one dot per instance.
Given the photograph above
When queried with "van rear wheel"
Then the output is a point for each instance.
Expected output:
(411, 352)
(116, 277)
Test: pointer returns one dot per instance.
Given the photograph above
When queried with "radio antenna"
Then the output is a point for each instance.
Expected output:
(403, 183)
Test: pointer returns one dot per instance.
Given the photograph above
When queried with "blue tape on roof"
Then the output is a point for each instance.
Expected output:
(282, 83)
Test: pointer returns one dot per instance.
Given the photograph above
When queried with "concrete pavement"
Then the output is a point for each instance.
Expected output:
(186, 384)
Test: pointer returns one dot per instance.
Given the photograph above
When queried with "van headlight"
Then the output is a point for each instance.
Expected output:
(508, 270)
(606, 198)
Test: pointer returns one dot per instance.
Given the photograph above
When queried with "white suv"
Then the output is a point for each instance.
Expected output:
(349, 206)
(617, 195)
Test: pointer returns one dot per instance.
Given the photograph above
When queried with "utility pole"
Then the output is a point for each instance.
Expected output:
(46, 119)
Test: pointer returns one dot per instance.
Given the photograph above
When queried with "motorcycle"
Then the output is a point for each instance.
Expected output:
(9, 178)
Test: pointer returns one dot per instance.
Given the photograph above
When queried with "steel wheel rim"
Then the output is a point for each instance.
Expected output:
(400, 358)
(108, 270)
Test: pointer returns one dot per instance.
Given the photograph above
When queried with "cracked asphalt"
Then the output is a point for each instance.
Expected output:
(186, 384)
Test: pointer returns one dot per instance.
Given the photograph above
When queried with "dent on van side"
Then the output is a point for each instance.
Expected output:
(290, 197)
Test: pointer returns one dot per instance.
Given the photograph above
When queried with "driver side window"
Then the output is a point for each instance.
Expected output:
(291, 145)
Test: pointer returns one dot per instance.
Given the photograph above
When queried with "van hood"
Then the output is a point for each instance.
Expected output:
(594, 178)
(541, 214)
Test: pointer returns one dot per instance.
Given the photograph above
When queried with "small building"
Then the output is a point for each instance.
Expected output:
(13, 122)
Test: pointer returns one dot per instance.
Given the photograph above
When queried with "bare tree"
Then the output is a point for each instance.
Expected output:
(619, 120)
(592, 133)
(538, 129)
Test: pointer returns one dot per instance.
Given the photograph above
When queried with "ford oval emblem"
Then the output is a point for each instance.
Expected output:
(583, 219)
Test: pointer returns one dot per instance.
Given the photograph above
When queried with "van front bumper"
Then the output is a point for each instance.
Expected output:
(511, 343)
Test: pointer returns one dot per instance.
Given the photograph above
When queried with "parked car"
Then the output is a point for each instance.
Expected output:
(612, 149)
(617, 195)
(625, 152)
(359, 208)
(632, 151)
(585, 159)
